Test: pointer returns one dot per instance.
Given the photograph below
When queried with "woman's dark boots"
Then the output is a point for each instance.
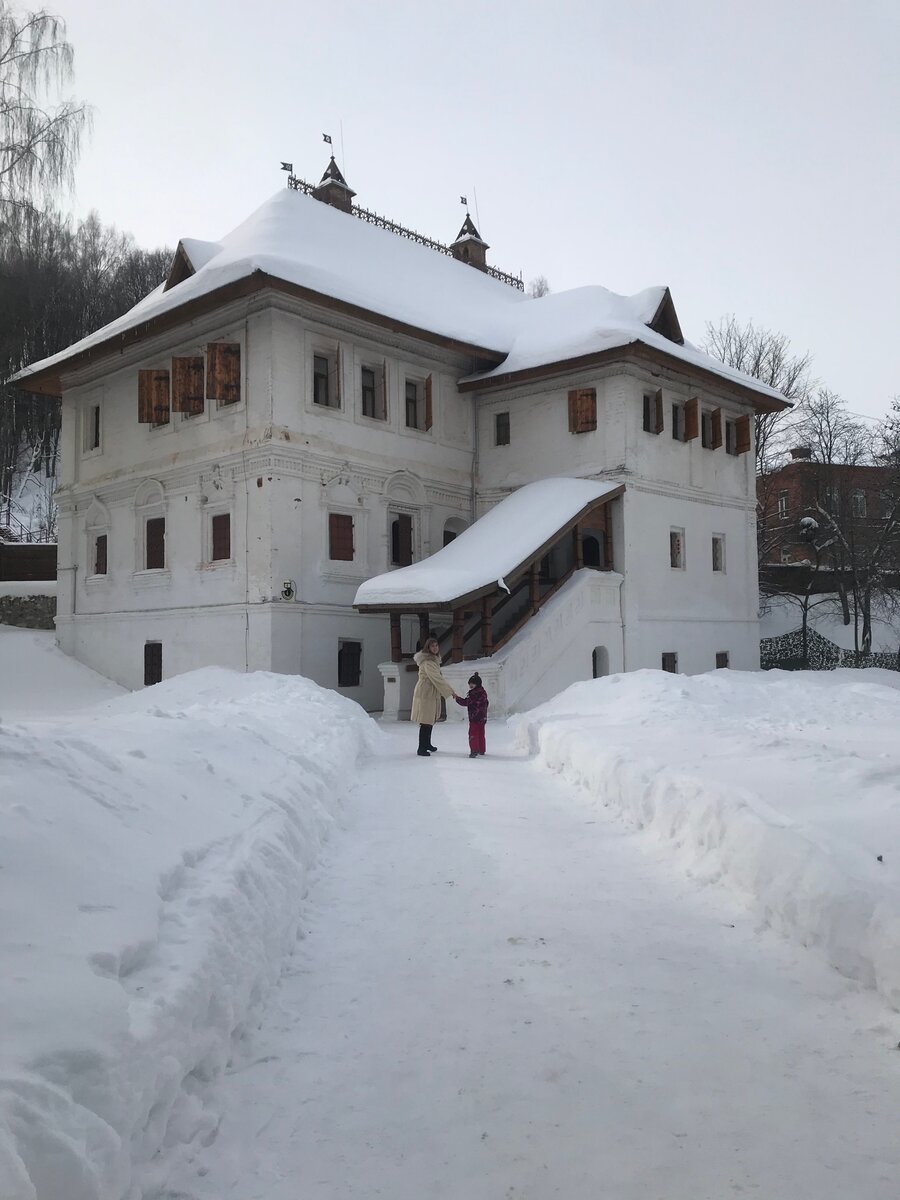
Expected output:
(424, 741)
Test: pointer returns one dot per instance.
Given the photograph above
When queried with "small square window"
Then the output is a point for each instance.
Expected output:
(155, 544)
(721, 660)
(415, 404)
(718, 552)
(349, 664)
(220, 539)
(91, 428)
(372, 386)
(326, 392)
(653, 412)
(731, 438)
(678, 425)
(100, 561)
(706, 429)
(670, 662)
(676, 549)
(340, 537)
(786, 554)
(501, 429)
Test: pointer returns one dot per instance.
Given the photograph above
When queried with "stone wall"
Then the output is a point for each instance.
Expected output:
(28, 612)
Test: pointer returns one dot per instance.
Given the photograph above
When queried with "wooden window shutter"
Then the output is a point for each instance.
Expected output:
(658, 399)
(100, 555)
(187, 385)
(221, 536)
(573, 411)
(338, 381)
(404, 537)
(223, 372)
(743, 434)
(340, 537)
(691, 419)
(582, 410)
(153, 397)
(155, 544)
(384, 391)
(716, 429)
(429, 410)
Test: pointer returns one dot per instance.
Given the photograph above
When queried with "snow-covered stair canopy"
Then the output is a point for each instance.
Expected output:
(493, 552)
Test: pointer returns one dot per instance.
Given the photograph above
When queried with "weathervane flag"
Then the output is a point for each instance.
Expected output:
(464, 200)
(287, 166)
(326, 137)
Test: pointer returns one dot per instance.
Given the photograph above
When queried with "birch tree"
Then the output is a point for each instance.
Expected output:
(40, 133)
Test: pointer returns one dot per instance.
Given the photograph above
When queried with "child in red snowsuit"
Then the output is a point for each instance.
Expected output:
(477, 704)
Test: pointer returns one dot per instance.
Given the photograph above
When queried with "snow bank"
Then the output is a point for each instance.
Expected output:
(781, 785)
(38, 680)
(153, 856)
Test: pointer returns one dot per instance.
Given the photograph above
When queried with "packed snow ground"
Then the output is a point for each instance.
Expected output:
(522, 976)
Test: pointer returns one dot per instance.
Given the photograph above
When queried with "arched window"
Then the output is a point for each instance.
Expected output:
(590, 549)
(600, 662)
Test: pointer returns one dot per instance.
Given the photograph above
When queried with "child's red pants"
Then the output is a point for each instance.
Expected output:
(476, 737)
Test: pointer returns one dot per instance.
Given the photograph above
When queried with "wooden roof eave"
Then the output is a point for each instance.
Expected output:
(48, 383)
(513, 576)
(635, 351)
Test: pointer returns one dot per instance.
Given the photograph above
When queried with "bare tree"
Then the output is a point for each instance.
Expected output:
(539, 286)
(768, 357)
(40, 137)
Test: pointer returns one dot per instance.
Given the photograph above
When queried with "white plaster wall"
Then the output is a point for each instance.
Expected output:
(554, 650)
(540, 442)
(693, 611)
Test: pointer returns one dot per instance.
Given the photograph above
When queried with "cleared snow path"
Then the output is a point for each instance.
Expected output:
(505, 994)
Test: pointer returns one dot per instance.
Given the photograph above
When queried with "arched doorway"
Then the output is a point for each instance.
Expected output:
(590, 550)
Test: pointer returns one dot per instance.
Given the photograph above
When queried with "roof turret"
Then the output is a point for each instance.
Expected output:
(333, 188)
(470, 247)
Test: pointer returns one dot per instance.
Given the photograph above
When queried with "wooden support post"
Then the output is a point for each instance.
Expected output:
(487, 626)
(423, 629)
(458, 634)
(607, 541)
(396, 645)
(579, 547)
(534, 587)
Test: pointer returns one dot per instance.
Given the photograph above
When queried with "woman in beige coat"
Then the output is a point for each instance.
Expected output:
(426, 701)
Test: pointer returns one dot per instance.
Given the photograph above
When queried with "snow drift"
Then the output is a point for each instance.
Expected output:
(153, 857)
(783, 786)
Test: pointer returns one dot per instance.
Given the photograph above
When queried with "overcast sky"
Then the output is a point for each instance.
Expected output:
(745, 154)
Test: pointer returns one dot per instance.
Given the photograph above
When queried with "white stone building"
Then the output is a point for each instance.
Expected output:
(320, 399)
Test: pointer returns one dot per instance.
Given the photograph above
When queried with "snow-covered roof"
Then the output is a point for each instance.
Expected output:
(504, 539)
(303, 241)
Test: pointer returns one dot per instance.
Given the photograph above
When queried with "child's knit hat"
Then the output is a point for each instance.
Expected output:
(476, 679)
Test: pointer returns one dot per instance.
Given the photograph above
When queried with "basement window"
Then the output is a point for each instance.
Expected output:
(676, 549)
(152, 663)
(670, 662)
(349, 664)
